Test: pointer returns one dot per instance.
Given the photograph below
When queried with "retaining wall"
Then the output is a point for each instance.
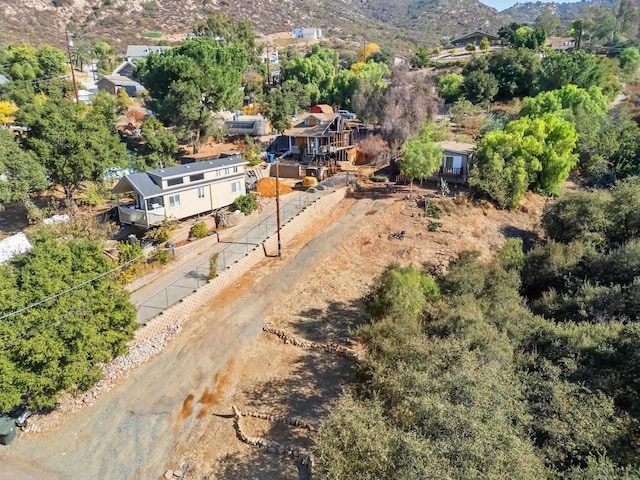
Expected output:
(197, 298)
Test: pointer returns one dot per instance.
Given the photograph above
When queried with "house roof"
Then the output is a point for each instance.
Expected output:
(457, 147)
(123, 65)
(143, 51)
(4, 80)
(477, 33)
(120, 81)
(560, 43)
(301, 129)
(323, 108)
(143, 183)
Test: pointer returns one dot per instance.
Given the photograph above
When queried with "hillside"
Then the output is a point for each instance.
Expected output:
(129, 21)
(528, 12)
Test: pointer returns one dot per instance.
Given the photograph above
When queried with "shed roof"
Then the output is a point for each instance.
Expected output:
(121, 81)
(143, 51)
(474, 34)
(301, 129)
(457, 147)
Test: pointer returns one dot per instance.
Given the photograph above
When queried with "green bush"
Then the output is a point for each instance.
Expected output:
(162, 233)
(199, 230)
(379, 178)
(433, 211)
(162, 256)
(434, 226)
(245, 203)
(213, 266)
(129, 251)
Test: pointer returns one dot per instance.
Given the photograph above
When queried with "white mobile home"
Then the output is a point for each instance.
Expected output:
(181, 191)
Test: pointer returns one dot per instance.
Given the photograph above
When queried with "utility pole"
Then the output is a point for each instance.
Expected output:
(268, 66)
(278, 206)
(73, 73)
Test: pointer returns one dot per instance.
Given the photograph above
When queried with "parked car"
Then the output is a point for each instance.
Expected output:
(346, 114)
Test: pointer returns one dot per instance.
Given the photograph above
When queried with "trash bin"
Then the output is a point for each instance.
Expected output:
(7, 429)
(271, 157)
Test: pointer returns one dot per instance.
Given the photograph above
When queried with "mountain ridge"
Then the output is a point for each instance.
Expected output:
(403, 22)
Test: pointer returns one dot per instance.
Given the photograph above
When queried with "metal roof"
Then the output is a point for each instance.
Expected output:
(3, 80)
(144, 183)
(457, 147)
(143, 51)
(121, 81)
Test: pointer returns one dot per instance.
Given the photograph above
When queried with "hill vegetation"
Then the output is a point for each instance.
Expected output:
(522, 367)
(120, 22)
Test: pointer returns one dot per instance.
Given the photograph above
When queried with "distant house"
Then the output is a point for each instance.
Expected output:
(321, 108)
(4, 80)
(181, 191)
(455, 161)
(271, 56)
(137, 52)
(125, 69)
(85, 96)
(561, 44)
(319, 136)
(113, 83)
(475, 38)
(253, 125)
(400, 60)
(308, 33)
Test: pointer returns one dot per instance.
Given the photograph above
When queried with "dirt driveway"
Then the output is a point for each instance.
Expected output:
(174, 411)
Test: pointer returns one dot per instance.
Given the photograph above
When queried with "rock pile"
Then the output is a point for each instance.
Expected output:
(331, 347)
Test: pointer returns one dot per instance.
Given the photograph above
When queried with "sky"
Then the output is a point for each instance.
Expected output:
(503, 4)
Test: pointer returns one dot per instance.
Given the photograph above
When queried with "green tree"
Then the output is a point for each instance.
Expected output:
(421, 58)
(285, 101)
(529, 37)
(421, 159)
(158, 147)
(532, 154)
(484, 44)
(188, 83)
(316, 71)
(230, 31)
(578, 68)
(71, 145)
(549, 22)
(123, 101)
(480, 87)
(21, 173)
(623, 209)
(450, 86)
(60, 344)
(630, 61)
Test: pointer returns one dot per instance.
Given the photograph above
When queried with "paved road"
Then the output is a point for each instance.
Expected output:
(133, 429)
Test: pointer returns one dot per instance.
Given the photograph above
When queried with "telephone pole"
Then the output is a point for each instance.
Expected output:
(278, 206)
(73, 73)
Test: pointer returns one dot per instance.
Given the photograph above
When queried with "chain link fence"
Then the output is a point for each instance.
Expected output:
(229, 253)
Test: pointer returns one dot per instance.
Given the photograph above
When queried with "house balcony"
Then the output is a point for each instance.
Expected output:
(141, 218)
(451, 171)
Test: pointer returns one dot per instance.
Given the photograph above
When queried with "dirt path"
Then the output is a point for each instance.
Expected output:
(174, 412)
(133, 430)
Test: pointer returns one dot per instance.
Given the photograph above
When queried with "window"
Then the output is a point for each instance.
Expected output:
(226, 171)
(175, 181)
(174, 201)
(200, 192)
(448, 163)
(218, 173)
(235, 187)
(195, 178)
(235, 169)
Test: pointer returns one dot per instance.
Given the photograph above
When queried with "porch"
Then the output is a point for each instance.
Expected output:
(131, 215)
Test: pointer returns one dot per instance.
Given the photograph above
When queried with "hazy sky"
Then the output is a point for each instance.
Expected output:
(502, 4)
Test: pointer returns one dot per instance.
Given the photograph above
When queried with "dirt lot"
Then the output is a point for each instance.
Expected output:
(175, 412)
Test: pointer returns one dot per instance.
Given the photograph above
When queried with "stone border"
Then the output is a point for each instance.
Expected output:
(151, 338)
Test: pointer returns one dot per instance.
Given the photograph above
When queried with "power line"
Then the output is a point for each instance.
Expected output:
(33, 305)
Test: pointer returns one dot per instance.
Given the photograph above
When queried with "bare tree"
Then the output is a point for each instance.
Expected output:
(373, 150)
(409, 101)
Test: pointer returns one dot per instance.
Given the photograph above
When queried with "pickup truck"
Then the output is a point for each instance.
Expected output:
(346, 114)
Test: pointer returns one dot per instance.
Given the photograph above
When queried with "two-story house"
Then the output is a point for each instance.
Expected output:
(180, 191)
(319, 136)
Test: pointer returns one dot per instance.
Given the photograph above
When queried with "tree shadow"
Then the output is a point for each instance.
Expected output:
(335, 323)
(529, 238)
(254, 465)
